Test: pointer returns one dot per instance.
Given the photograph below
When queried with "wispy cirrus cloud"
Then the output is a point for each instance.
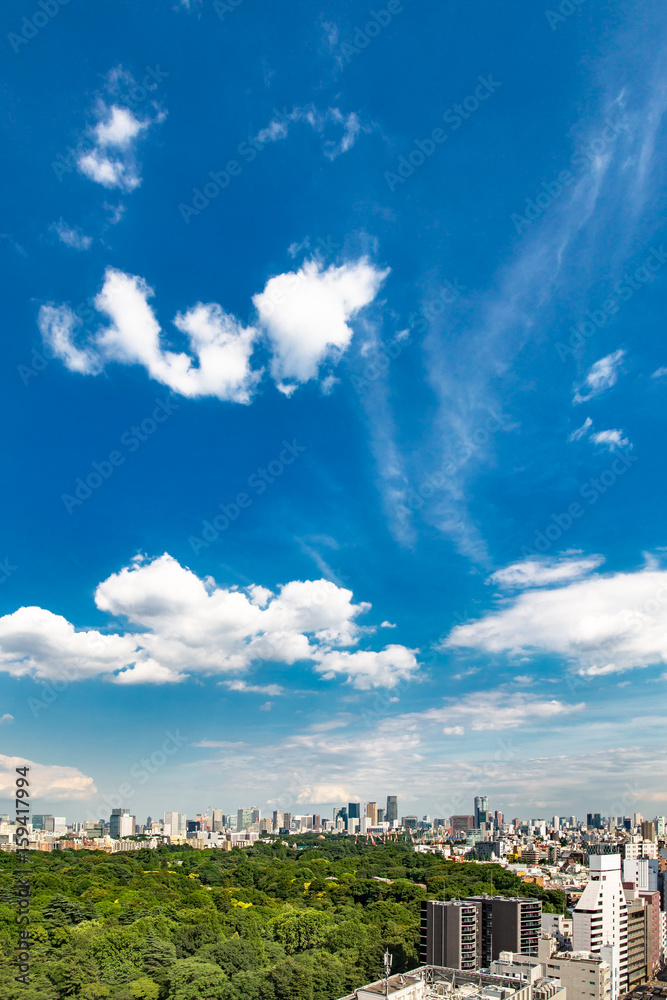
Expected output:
(346, 127)
(602, 375)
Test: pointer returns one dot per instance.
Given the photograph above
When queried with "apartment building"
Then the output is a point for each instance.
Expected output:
(600, 919)
(470, 933)
(449, 934)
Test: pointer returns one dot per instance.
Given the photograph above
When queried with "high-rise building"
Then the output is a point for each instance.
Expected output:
(470, 933)
(391, 813)
(43, 822)
(508, 924)
(245, 818)
(481, 806)
(121, 824)
(216, 819)
(648, 829)
(287, 822)
(600, 919)
(175, 824)
(317, 822)
(380, 815)
(372, 813)
(460, 826)
(354, 810)
(449, 934)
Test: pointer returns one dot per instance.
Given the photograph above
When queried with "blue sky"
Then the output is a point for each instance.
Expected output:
(334, 380)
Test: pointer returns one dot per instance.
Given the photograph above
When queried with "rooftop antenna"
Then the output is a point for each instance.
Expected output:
(387, 971)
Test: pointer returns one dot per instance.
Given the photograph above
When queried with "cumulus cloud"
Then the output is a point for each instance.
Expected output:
(366, 670)
(602, 375)
(544, 572)
(346, 127)
(108, 152)
(180, 625)
(611, 439)
(304, 315)
(47, 781)
(6, 719)
(602, 624)
(71, 236)
(218, 362)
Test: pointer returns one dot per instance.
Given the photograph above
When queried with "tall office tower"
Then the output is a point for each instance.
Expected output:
(372, 813)
(317, 821)
(43, 822)
(175, 824)
(460, 826)
(218, 825)
(277, 819)
(287, 822)
(556, 823)
(498, 819)
(471, 933)
(340, 813)
(246, 817)
(648, 829)
(354, 810)
(391, 812)
(660, 824)
(121, 824)
(600, 919)
(481, 806)
(380, 815)
(449, 934)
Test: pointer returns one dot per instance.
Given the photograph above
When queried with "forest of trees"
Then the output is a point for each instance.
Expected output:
(269, 923)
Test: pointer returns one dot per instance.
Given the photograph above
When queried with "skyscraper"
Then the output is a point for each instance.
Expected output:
(481, 806)
(391, 812)
(372, 813)
(354, 810)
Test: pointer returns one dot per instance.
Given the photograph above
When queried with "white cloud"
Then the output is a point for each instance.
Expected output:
(47, 781)
(6, 719)
(109, 154)
(601, 376)
(543, 572)
(581, 431)
(271, 689)
(187, 625)
(306, 315)
(659, 372)
(323, 122)
(485, 711)
(603, 624)
(611, 439)
(219, 362)
(71, 236)
(366, 669)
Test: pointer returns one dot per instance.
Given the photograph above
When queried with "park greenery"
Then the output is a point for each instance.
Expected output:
(305, 918)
